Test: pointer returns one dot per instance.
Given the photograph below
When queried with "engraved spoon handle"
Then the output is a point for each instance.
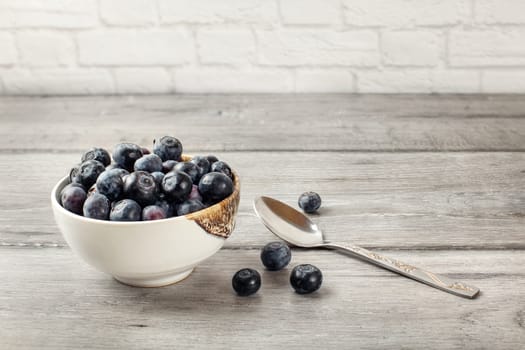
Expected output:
(437, 281)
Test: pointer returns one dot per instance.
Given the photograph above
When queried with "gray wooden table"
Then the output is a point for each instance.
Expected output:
(437, 181)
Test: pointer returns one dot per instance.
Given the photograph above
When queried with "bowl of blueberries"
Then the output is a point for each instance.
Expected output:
(146, 217)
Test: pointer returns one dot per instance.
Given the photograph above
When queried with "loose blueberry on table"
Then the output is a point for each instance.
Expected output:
(246, 282)
(275, 256)
(144, 185)
(309, 202)
(306, 278)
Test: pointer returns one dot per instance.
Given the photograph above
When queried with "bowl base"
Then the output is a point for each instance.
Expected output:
(162, 281)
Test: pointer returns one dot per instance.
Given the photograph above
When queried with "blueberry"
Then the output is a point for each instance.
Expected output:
(222, 167)
(125, 210)
(72, 198)
(203, 165)
(212, 159)
(74, 174)
(110, 184)
(141, 187)
(189, 206)
(126, 154)
(114, 166)
(309, 202)
(168, 165)
(145, 150)
(177, 186)
(246, 282)
(153, 212)
(87, 172)
(75, 184)
(149, 163)
(195, 194)
(166, 206)
(96, 207)
(276, 255)
(158, 176)
(167, 148)
(215, 186)
(122, 172)
(306, 278)
(189, 168)
(99, 154)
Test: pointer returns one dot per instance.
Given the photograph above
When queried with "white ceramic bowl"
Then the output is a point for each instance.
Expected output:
(148, 253)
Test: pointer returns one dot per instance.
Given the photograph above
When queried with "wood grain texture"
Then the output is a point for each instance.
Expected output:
(267, 122)
(403, 200)
(51, 300)
(435, 181)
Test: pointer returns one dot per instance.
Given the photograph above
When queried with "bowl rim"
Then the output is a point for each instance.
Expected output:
(57, 206)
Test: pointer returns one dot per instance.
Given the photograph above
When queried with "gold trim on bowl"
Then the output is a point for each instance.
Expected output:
(219, 219)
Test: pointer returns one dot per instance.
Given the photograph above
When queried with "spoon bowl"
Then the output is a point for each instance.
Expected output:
(297, 229)
(288, 223)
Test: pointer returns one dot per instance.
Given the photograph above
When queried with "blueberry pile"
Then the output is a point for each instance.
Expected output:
(143, 185)
(276, 256)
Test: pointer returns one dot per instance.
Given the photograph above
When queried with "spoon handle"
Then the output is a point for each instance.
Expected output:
(434, 280)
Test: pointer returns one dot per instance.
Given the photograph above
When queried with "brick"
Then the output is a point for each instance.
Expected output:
(223, 11)
(128, 12)
(41, 49)
(412, 48)
(143, 80)
(7, 49)
(500, 11)
(120, 47)
(210, 80)
(394, 81)
(455, 81)
(324, 81)
(226, 46)
(48, 14)
(491, 47)
(318, 47)
(406, 12)
(57, 81)
(503, 81)
(310, 11)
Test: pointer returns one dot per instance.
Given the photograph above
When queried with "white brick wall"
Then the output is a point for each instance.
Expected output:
(166, 46)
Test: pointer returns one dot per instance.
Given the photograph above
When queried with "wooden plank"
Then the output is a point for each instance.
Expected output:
(51, 300)
(385, 200)
(267, 122)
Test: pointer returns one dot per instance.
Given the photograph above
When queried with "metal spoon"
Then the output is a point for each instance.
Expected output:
(297, 229)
